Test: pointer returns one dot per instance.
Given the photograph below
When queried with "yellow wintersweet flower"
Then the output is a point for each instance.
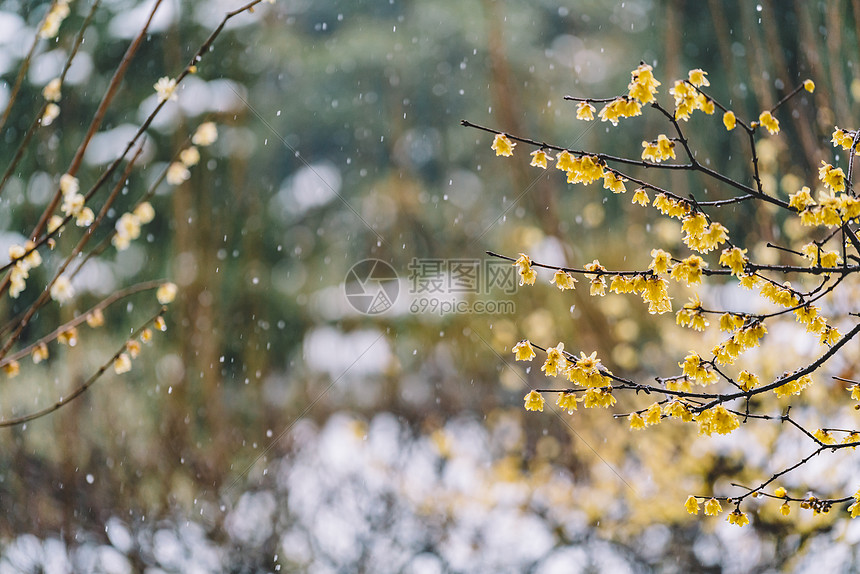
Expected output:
(166, 293)
(52, 111)
(534, 401)
(747, 380)
(658, 150)
(730, 322)
(691, 364)
(640, 196)
(597, 287)
(780, 492)
(622, 284)
(96, 319)
(738, 517)
(793, 387)
(834, 178)
(585, 111)
(636, 421)
(653, 415)
(829, 336)
(538, 159)
(785, 509)
(523, 351)
(854, 509)
(698, 79)
(735, 259)
(689, 270)
(503, 146)
(842, 139)
(620, 108)
(613, 182)
(40, 353)
(206, 134)
(122, 364)
(713, 507)
(12, 369)
(722, 421)
(567, 402)
(555, 361)
(643, 85)
(729, 120)
(771, 123)
(563, 280)
(679, 410)
(824, 436)
(692, 504)
(660, 261)
(598, 397)
(190, 156)
(564, 161)
(52, 91)
(524, 268)
(694, 225)
(809, 86)
(855, 392)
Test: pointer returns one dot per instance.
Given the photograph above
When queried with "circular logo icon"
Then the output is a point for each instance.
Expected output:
(371, 286)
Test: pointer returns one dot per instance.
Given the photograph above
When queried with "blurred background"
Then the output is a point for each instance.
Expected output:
(277, 427)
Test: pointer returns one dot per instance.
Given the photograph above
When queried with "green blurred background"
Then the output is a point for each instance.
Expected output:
(273, 427)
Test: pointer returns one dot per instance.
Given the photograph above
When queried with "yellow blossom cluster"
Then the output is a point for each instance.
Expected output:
(817, 256)
(654, 290)
(73, 202)
(206, 134)
(618, 108)
(767, 120)
(128, 225)
(556, 362)
(598, 281)
(832, 209)
(585, 169)
(695, 369)
(716, 420)
(745, 338)
(658, 150)
(854, 509)
(689, 270)
(688, 99)
(691, 315)
(598, 398)
(844, 139)
(702, 236)
(832, 177)
(567, 402)
(25, 258)
(793, 387)
(671, 207)
(585, 371)
(643, 85)
(735, 259)
(51, 24)
(781, 295)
